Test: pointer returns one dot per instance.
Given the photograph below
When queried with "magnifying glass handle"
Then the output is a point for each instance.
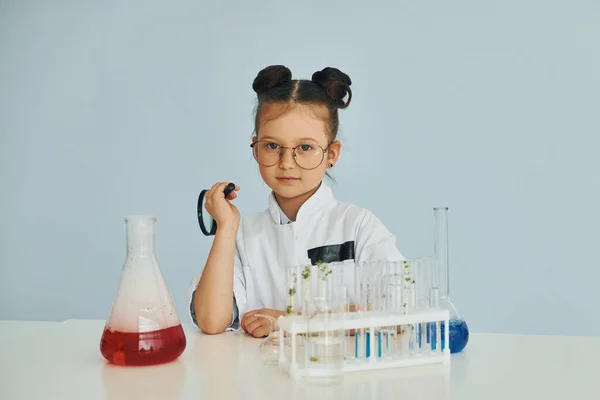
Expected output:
(213, 228)
(228, 189)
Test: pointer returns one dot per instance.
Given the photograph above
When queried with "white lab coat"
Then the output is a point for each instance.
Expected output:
(267, 243)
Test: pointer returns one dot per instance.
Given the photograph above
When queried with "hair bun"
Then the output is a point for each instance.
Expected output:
(336, 83)
(271, 76)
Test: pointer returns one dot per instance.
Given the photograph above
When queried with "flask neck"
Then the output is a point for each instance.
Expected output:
(441, 250)
(140, 236)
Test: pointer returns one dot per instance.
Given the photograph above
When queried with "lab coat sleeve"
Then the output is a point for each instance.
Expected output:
(239, 294)
(374, 241)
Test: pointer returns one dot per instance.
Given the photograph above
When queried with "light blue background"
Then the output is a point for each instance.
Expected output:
(489, 107)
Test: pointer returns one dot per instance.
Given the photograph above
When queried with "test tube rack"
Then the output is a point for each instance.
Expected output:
(369, 321)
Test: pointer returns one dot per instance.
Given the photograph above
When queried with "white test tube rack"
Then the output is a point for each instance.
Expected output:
(370, 321)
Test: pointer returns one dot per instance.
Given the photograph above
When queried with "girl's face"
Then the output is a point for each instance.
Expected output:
(280, 132)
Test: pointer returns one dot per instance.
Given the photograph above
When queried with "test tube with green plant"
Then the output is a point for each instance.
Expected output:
(324, 271)
(408, 304)
(306, 287)
(408, 283)
(292, 277)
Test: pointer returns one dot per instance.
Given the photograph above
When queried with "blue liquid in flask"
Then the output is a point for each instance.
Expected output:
(458, 330)
(459, 335)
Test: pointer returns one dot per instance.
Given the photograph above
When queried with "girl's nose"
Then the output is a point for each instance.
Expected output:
(286, 160)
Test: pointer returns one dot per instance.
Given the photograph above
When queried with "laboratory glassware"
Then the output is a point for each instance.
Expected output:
(424, 273)
(325, 340)
(270, 346)
(459, 331)
(291, 289)
(143, 327)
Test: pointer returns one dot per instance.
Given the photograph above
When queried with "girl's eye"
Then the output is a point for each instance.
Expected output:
(305, 147)
(272, 146)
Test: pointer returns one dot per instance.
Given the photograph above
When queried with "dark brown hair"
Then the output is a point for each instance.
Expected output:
(327, 88)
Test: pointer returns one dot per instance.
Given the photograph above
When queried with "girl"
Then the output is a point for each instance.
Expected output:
(296, 127)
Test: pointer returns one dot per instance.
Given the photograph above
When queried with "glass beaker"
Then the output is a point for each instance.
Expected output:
(143, 327)
(459, 331)
(325, 341)
(269, 347)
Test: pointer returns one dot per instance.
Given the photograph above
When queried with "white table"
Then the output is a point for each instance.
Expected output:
(61, 360)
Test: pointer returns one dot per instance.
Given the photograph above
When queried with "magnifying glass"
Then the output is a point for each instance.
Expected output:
(210, 221)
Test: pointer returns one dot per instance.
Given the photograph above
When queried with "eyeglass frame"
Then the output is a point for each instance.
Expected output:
(282, 148)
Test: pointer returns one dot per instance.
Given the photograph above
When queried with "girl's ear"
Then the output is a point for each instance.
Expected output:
(333, 154)
(254, 139)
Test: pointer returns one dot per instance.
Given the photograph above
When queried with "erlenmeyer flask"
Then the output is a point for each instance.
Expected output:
(459, 331)
(143, 327)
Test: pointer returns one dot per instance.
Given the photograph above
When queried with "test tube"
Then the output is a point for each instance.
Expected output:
(339, 296)
(395, 288)
(290, 306)
(417, 271)
(391, 292)
(306, 274)
(337, 286)
(370, 277)
(360, 306)
(412, 328)
(434, 336)
(393, 304)
(292, 288)
(323, 280)
(405, 295)
(422, 271)
(344, 294)
(377, 305)
(385, 331)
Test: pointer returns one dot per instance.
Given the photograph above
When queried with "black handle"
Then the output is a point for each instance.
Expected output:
(213, 226)
(228, 189)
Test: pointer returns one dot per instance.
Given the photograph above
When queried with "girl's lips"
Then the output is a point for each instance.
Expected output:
(287, 179)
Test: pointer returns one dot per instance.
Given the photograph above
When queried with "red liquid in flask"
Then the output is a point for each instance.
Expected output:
(143, 348)
(143, 327)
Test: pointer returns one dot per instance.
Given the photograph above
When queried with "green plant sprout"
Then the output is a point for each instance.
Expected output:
(292, 290)
(306, 272)
(408, 280)
(325, 271)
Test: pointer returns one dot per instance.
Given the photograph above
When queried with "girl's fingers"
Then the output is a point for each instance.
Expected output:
(233, 194)
(255, 324)
(219, 188)
(209, 194)
(212, 189)
(243, 323)
(248, 317)
(261, 331)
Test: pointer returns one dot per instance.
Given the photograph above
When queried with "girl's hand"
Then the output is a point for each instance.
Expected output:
(259, 326)
(222, 211)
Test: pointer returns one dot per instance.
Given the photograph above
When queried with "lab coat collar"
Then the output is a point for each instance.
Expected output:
(321, 198)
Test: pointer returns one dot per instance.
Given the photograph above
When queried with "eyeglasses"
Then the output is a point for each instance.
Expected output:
(307, 156)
